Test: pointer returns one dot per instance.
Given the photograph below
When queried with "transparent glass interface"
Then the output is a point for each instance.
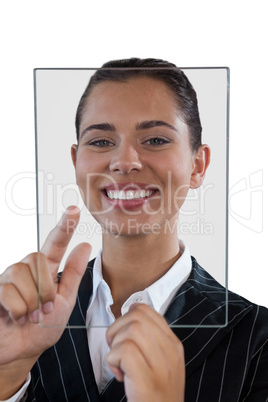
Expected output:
(202, 223)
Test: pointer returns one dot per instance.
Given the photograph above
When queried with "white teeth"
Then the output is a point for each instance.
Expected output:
(121, 195)
(142, 194)
(128, 195)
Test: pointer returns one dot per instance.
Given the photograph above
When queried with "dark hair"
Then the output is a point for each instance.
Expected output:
(175, 79)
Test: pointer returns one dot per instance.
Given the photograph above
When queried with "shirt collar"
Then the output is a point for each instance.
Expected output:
(160, 293)
(99, 284)
(164, 289)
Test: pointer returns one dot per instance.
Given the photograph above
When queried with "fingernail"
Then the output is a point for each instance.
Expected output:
(35, 316)
(72, 210)
(47, 307)
(21, 320)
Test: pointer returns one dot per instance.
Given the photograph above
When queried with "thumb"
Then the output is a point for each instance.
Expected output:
(73, 271)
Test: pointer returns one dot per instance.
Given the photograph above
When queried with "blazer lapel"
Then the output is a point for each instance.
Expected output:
(201, 314)
(114, 391)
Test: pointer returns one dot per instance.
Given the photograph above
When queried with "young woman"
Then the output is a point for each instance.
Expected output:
(138, 152)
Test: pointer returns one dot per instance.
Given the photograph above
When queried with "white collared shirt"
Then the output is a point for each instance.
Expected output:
(100, 316)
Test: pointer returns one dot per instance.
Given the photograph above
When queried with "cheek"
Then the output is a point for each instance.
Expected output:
(179, 195)
(179, 182)
(85, 166)
(179, 169)
(83, 173)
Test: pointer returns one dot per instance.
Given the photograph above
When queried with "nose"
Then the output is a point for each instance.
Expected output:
(125, 159)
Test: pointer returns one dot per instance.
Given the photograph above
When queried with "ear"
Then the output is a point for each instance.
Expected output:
(73, 154)
(200, 165)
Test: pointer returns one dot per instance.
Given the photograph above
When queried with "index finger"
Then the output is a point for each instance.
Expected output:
(58, 239)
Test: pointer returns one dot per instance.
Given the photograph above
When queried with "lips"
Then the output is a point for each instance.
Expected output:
(129, 194)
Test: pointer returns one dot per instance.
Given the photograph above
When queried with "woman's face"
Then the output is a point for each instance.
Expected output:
(134, 163)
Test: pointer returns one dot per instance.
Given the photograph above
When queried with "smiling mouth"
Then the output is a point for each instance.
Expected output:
(129, 194)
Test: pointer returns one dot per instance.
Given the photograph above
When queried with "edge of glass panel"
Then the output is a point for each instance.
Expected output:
(227, 174)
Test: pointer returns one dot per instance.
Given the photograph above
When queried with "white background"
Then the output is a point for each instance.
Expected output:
(189, 33)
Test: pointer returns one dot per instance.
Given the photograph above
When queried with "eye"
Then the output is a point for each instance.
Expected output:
(157, 141)
(101, 143)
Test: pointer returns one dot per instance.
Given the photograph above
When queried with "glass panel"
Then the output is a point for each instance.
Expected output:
(202, 224)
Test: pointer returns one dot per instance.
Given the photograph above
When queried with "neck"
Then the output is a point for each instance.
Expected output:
(132, 263)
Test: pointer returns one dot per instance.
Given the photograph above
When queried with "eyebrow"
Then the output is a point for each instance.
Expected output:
(154, 123)
(140, 126)
(101, 126)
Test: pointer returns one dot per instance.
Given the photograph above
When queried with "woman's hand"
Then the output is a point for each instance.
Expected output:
(22, 340)
(147, 356)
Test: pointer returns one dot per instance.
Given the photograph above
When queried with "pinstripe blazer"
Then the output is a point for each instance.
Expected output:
(228, 363)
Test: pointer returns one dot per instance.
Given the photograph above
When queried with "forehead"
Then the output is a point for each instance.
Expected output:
(141, 95)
